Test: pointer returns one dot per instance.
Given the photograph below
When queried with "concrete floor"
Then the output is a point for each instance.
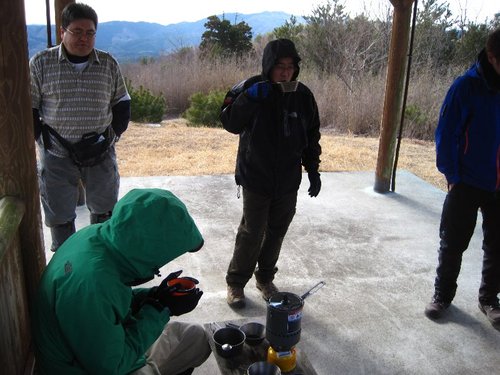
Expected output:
(377, 254)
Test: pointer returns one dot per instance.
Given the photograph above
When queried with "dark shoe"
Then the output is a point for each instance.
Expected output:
(267, 289)
(436, 308)
(235, 297)
(99, 218)
(492, 312)
(61, 233)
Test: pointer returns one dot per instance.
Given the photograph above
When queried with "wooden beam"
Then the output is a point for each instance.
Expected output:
(58, 8)
(394, 91)
(15, 336)
(18, 171)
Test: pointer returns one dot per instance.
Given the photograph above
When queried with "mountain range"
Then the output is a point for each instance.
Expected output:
(129, 41)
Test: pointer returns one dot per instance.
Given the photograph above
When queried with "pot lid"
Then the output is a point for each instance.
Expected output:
(285, 301)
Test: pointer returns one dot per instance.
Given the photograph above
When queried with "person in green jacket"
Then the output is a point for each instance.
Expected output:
(88, 318)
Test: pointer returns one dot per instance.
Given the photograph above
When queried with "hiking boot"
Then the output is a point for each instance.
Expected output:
(61, 233)
(492, 312)
(436, 308)
(267, 289)
(235, 297)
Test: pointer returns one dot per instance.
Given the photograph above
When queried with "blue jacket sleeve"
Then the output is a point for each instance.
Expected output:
(451, 130)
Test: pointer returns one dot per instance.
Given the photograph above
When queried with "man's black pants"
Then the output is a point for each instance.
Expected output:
(458, 221)
(260, 234)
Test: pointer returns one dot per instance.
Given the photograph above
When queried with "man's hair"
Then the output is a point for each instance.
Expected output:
(493, 43)
(77, 11)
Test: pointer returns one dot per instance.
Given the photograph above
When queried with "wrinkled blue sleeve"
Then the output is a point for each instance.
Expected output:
(451, 130)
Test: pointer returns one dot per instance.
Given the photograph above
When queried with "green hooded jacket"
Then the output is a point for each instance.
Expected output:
(83, 321)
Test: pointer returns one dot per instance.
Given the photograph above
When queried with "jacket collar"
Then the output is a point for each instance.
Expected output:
(486, 72)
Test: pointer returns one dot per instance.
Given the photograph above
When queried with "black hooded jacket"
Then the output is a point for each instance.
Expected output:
(278, 135)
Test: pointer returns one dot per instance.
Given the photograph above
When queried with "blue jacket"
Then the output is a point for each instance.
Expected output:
(468, 132)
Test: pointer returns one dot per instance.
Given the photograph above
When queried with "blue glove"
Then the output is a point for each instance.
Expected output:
(259, 91)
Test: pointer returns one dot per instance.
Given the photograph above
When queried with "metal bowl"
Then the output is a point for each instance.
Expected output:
(263, 368)
(255, 332)
(229, 341)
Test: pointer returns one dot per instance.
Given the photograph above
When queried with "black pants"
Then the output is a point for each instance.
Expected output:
(260, 234)
(458, 221)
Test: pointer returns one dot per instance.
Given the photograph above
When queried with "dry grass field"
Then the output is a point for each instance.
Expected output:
(173, 149)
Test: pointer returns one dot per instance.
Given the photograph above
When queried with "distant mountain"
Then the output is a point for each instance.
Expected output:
(133, 40)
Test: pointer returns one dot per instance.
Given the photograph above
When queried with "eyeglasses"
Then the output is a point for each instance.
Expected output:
(78, 33)
(284, 67)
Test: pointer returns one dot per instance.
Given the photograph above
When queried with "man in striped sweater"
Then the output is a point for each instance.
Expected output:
(80, 108)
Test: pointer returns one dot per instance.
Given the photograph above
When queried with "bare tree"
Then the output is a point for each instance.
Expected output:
(344, 46)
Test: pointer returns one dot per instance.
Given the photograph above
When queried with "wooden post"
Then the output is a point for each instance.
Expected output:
(58, 8)
(394, 90)
(18, 170)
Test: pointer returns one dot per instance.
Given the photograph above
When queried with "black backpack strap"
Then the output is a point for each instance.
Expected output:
(236, 91)
(87, 152)
(47, 142)
(232, 94)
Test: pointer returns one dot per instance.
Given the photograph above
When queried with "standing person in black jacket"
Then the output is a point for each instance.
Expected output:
(277, 120)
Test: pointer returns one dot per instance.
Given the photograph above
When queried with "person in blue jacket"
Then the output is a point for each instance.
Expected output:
(89, 318)
(468, 154)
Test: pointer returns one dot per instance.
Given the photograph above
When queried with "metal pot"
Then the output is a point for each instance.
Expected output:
(229, 341)
(288, 86)
(284, 316)
(263, 368)
(255, 332)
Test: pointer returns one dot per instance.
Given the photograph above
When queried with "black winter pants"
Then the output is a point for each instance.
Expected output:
(260, 234)
(458, 221)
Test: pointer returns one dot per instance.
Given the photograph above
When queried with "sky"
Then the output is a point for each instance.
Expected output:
(173, 11)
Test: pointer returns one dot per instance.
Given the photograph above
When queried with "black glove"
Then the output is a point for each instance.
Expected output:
(259, 91)
(315, 184)
(171, 276)
(178, 304)
(169, 296)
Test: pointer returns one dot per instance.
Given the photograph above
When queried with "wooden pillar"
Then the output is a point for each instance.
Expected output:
(18, 171)
(58, 8)
(394, 91)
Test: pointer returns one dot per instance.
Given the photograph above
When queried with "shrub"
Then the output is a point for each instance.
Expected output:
(414, 114)
(145, 106)
(204, 109)
(418, 123)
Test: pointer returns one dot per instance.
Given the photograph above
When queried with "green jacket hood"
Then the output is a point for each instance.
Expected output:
(148, 229)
